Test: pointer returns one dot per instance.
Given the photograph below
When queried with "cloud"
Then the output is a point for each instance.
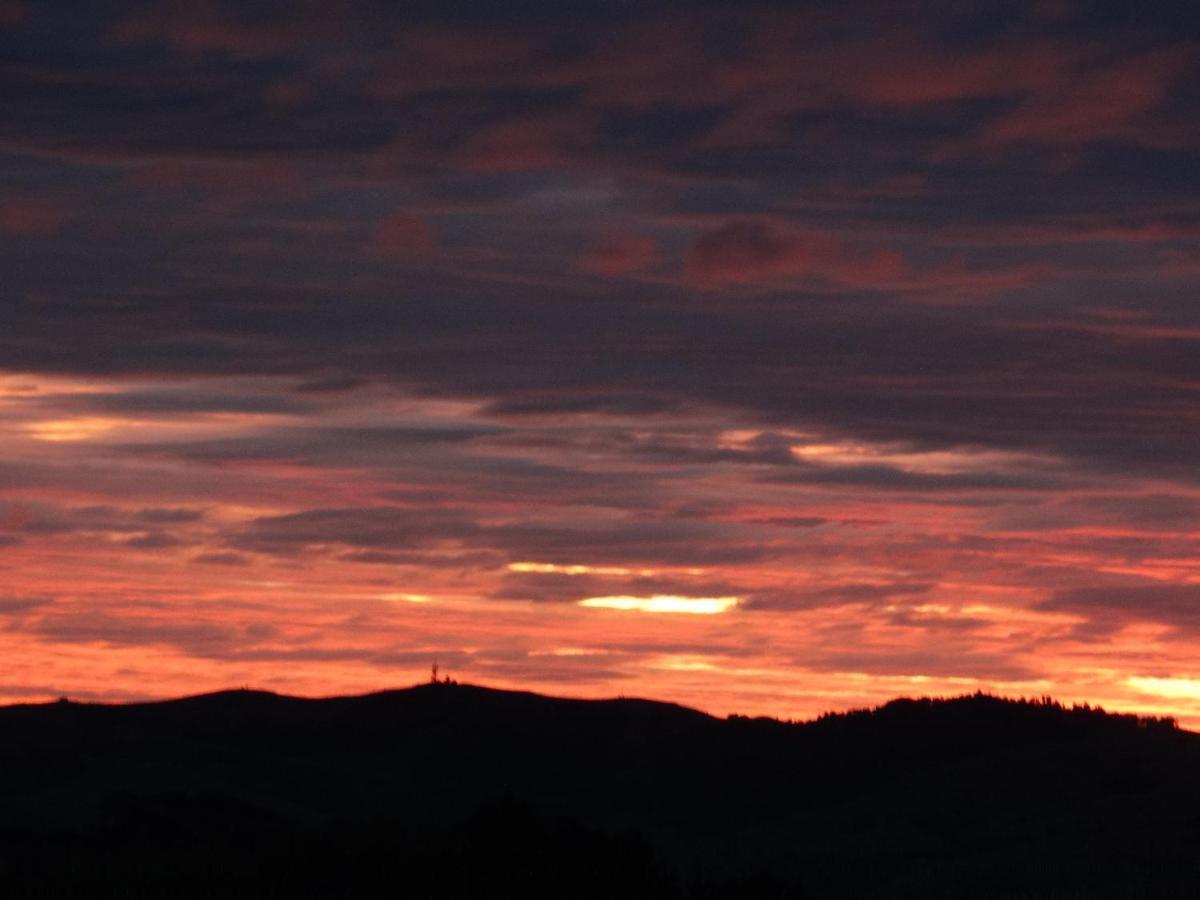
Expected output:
(40, 518)
(30, 217)
(792, 521)
(835, 595)
(1142, 512)
(1103, 102)
(221, 559)
(12, 13)
(546, 141)
(892, 478)
(205, 27)
(559, 587)
(427, 560)
(173, 402)
(1177, 605)
(320, 445)
(622, 254)
(576, 403)
(98, 627)
(15, 606)
(403, 235)
(171, 516)
(153, 540)
(749, 250)
(378, 527)
(908, 71)
(598, 540)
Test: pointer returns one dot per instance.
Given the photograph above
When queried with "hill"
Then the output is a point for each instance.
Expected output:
(456, 790)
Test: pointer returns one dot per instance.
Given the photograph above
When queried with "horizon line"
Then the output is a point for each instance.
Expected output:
(1044, 700)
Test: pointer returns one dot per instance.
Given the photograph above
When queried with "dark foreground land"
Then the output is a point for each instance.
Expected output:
(448, 790)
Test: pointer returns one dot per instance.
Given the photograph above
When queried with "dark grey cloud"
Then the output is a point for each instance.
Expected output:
(866, 370)
(885, 477)
(1177, 605)
(41, 518)
(221, 559)
(609, 404)
(427, 560)
(379, 527)
(15, 606)
(172, 402)
(1144, 512)
(597, 542)
(368, 445)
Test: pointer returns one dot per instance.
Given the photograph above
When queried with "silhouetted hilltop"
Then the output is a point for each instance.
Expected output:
(472, 791)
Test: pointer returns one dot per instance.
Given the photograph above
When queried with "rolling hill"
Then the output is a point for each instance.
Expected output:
(457, 790)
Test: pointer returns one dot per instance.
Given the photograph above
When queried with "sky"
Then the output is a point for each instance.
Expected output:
(766, 358)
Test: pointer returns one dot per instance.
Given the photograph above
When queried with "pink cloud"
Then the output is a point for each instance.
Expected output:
(621, 254)
(750, 250)
(753, 250)
(435, 58)
(11, 13)
(529, 143)
(202, 26)
(1054, 10)
(402, 234)
(1104, 102)
(908, 72)
(230, 183)
(790, 63)
(29, 216)
(287, 94)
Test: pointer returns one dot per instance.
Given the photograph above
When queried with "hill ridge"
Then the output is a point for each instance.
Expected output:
(843, 805)
(905, 702)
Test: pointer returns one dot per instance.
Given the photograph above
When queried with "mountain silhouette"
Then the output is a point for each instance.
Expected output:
(447, 790)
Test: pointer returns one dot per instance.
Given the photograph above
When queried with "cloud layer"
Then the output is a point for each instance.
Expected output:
(338, 337)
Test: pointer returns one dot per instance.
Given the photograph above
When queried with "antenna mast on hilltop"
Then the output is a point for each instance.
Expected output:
(433, 679)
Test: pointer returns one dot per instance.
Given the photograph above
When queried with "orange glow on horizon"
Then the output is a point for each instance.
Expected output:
(136, 573)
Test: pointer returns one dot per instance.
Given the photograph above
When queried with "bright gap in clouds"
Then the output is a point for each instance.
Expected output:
(406, 598)
(664, 603)
(77, 429)
(1175, 688)
(554, 568)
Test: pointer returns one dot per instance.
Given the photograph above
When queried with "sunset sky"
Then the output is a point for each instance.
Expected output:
(768, 358)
